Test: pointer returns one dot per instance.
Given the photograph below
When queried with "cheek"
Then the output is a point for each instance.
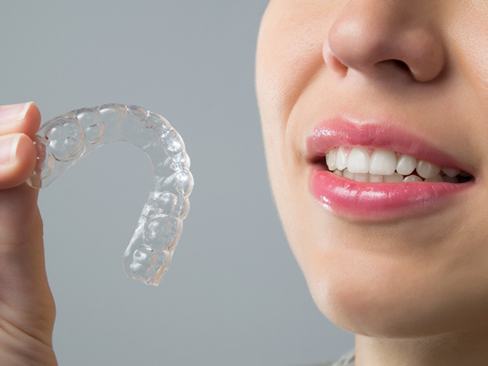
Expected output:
(289, 53)
(467, 37)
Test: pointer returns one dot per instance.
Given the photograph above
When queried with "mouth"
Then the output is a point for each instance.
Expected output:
(378, 171)
(376, 165)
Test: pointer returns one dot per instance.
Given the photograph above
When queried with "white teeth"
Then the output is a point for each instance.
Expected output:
(426, 169)
(406, 164)
(393, 178)
(347, 174)
(375, 178)
(361, 177)
(341, 158)
(358, 160)
(384, 165)
(412, 178)
(383, 162)
(330, 158)
(450, 172)
(435, 178)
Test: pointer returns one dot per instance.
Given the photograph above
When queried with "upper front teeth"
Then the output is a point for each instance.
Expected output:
(382, 162)
(358, 161)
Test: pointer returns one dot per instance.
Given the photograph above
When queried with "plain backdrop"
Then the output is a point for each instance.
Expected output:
(234, 294)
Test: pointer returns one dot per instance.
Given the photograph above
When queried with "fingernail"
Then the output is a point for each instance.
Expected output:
(13, 112)
(8, 148)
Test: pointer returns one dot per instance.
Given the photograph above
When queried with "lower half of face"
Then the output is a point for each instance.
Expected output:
(416, 275)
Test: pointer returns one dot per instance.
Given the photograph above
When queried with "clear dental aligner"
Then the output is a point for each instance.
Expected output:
(65, 139)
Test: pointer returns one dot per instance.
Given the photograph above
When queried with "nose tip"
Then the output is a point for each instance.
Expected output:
(366, 39)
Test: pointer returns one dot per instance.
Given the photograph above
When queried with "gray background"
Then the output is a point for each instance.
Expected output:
(234, 294)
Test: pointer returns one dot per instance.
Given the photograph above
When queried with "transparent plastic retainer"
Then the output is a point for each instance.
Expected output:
(65, 139)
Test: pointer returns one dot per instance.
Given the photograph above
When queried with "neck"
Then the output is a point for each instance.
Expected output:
(449, 349)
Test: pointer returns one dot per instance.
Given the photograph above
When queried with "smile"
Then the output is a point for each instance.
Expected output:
(382, 165)
(377, 171)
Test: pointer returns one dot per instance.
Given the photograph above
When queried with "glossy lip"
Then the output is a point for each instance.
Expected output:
(380, 201)
(367, 201)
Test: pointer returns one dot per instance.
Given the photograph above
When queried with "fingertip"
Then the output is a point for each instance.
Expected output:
(26, 154)
(20, 118)
(22, 166)
(32, 119)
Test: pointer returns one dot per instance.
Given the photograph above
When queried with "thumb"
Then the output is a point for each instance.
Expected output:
(26, 301)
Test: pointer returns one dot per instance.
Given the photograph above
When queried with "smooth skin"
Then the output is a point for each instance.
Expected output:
(27, 309)
(414, 292)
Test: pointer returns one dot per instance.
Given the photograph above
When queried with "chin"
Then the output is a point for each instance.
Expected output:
(375, 299)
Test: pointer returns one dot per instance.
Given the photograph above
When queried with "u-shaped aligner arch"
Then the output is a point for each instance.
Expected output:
(65, 139)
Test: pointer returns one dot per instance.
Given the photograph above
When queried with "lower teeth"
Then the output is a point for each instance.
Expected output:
(366, 177)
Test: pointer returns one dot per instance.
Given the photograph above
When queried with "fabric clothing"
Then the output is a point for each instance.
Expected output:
(347, 359)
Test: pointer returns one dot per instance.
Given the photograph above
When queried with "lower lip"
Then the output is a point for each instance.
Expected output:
(380, 201)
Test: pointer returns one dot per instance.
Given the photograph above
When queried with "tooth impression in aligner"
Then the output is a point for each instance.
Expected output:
(64, 140)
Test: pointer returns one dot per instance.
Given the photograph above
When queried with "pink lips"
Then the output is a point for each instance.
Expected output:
(371, 201)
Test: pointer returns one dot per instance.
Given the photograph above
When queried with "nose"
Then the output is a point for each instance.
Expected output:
(368, 35)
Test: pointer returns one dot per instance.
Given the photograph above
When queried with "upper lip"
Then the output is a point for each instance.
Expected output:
(338, 131)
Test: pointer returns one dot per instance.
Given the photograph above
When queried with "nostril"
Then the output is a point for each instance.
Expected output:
(401, 64)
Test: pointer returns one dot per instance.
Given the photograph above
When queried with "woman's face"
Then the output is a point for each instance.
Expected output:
(421, 66)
